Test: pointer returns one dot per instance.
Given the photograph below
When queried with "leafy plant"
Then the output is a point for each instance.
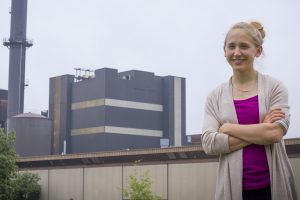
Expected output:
(13, 185)
(8, 167)
(139, 186)
(26, 186)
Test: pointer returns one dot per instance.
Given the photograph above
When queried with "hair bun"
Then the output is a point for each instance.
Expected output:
(257, 25)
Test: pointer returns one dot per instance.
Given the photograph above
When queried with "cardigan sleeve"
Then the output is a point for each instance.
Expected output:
(279, 98)
(213, 142)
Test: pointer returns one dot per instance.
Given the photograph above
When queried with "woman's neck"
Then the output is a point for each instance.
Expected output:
(242, 78)
(244, 85)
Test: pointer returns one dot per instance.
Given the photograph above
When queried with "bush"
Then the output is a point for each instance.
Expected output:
(139, 186)
(8, 165)
(13, 185)
(26, 186)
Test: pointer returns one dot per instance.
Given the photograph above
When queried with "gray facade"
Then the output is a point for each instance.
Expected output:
(33, 134)
(60, 112)
(3, 107)
(115, 111)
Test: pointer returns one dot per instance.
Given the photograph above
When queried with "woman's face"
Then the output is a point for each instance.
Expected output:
(240, 50)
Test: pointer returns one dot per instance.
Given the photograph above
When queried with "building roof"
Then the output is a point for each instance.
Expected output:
(193, 153)
(114, 157)
(29, 115)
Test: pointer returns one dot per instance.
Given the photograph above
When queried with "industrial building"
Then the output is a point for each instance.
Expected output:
(111, 110)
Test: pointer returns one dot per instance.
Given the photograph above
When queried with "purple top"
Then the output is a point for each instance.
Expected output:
(255, 165)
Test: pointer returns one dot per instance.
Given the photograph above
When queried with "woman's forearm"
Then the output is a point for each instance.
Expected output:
(263, 133)
(236, 143)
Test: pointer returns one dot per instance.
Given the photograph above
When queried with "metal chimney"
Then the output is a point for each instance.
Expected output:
(17, 44)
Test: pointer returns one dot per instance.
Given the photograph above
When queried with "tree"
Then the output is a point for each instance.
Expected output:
(26, 186)
(139, 186)
(13, 185)
(8, 165)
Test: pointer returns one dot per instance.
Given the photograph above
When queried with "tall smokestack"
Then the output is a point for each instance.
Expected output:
(17, 44)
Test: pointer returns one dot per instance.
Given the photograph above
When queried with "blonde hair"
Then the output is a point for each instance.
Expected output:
(254, 28)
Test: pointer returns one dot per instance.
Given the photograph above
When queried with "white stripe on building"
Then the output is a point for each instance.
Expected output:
(117, 130)
(177, 112)
(117, 103)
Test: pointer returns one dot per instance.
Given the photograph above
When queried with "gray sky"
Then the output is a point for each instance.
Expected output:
(168, 37)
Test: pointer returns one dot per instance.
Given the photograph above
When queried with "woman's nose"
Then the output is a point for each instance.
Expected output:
(237, 51)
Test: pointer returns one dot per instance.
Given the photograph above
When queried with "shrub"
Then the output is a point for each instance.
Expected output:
(8, 165)
(139, 186)
(26, 186)
(13, 185)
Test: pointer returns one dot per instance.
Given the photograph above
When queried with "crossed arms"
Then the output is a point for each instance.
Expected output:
(267, 132)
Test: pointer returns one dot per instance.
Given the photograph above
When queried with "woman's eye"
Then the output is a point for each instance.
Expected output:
(244, 46)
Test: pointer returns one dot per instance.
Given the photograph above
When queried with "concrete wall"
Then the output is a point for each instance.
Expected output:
(295, 162)
(103, 183)
(66, 184)
(192, 181)
(44, 182)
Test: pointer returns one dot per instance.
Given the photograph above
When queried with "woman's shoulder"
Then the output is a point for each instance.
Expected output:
(271, 81)
(217, 91)
(267, 77)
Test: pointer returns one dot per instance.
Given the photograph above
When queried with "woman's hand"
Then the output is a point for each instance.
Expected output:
(274, 115)
(224, 127)
(234, 142)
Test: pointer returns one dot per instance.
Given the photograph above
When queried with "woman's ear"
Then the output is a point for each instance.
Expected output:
(259, 51)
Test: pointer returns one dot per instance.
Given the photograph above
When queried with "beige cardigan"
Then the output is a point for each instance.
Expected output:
(220, 109)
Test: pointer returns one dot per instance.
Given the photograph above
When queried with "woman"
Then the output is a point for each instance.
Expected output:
(244, 122)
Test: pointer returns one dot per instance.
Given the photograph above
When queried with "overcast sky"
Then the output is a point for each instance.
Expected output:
(168, 37)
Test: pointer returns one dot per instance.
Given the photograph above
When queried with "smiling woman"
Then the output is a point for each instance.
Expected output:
(244, 122)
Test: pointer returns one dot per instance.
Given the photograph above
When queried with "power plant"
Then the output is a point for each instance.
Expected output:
(102, 110)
